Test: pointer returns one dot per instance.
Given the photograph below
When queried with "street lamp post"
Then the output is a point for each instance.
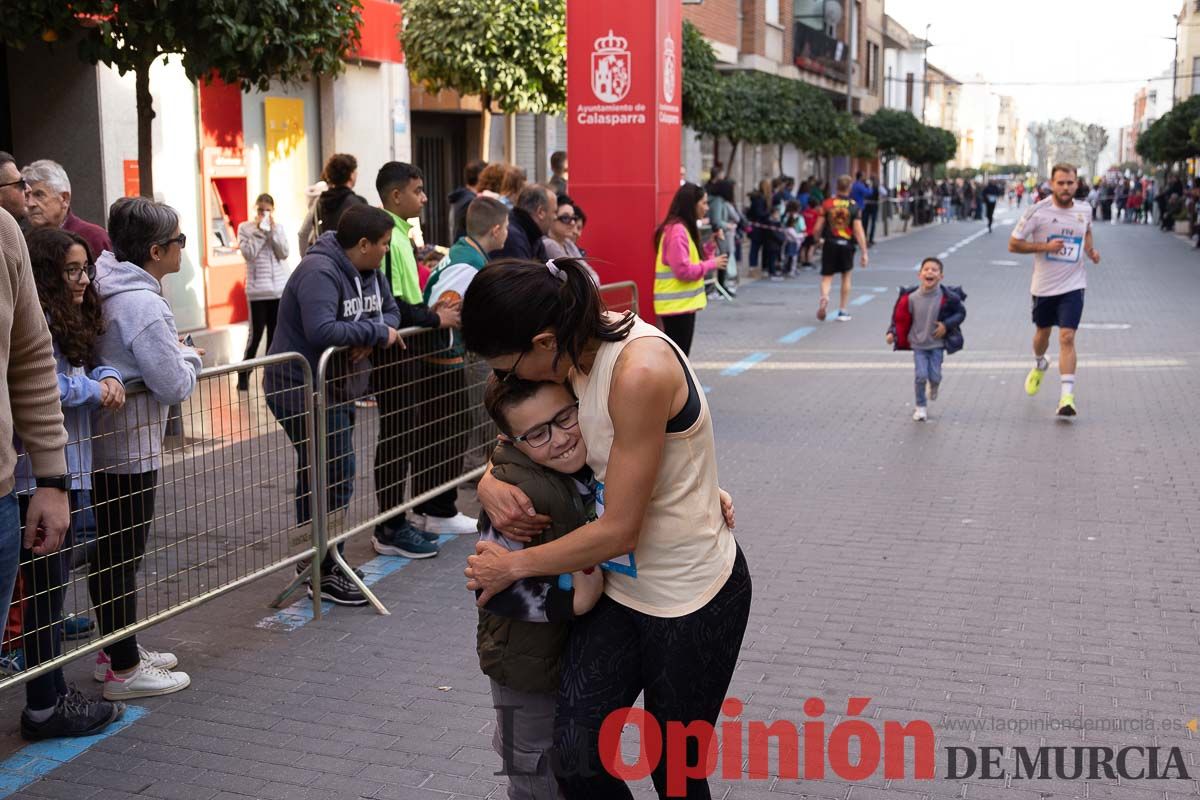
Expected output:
(925, 76)
(850, 53)
(1175, 60)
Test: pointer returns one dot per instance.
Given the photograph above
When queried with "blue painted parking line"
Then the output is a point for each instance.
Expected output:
(745, 364)
(795, 335)
(35, 761)
(300, 612)
(862, 299)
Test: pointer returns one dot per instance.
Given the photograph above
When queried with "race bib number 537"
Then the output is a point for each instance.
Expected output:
(1072, 246)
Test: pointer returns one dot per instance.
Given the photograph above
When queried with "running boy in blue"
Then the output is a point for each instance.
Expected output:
(927, 319)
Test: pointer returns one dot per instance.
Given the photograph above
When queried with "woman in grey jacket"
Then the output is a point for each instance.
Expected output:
(263, 243)
(142, 343)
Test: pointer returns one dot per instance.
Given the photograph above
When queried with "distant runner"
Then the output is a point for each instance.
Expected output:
(842, 226)
(1058, 232)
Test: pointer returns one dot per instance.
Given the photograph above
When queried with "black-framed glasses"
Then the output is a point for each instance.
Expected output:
(18, 182)
(539, 435)
(567, 219)
(506, 375)
(181, 240)
(75, 273)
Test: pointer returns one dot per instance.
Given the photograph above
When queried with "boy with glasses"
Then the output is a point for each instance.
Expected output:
(523, 630)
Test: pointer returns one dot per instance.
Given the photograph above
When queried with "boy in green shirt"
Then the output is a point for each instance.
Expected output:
(410, 404)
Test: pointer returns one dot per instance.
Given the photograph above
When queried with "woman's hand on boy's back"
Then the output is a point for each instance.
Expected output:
(487, 571)
(510, 510)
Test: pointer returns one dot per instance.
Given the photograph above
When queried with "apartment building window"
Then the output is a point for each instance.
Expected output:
(908, 92)
(873, 65)
(1000, 130)
(1196, 76)
(773, 12)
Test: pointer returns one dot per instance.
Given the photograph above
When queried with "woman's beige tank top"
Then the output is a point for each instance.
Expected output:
(685, 552)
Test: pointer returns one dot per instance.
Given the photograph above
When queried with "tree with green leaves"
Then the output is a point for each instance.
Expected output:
(702, 83)
(933, 147)
(739, 115)
(510, 54)
(249, 44)
(895, 133)
(1173, 137)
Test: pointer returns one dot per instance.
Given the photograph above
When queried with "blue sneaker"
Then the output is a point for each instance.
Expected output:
(404, 540)
(13, 661)
(77, 628)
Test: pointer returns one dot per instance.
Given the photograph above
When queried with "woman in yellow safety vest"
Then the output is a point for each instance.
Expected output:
(678, 270)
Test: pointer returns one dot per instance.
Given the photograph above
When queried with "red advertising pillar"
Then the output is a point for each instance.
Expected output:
(623, 130)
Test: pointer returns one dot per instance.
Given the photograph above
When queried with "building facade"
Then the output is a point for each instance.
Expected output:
(904, 58)
(941, 99)
(977, 117)
(215, 148)
(1012, 147)
(1187, 55)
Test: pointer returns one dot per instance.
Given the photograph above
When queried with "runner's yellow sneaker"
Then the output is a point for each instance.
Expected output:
(1066, 406)
(1033, 381)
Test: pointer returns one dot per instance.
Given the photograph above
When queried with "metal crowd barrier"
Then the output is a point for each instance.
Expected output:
(394, 427)
(215, 517)
(620, 296)
(253, 483)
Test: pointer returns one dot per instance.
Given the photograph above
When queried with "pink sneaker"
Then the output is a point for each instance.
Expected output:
(149, 657)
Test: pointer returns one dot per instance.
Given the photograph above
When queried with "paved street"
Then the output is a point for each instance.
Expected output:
(991, 564)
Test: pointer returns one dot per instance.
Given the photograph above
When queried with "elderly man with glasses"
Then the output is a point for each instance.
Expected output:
(14, 192)
(48, 204)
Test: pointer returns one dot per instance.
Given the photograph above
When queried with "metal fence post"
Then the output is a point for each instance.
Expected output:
(321, 543)
(316, 463)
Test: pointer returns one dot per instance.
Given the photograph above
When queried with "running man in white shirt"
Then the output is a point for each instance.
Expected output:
(1058, 232)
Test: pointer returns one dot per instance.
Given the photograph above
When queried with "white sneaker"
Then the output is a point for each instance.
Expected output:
(919, 414)
(458, 525)
(842, 316)
(148, 681)
(150, 657)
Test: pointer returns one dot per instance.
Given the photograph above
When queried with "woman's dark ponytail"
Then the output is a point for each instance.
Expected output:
(511, 301)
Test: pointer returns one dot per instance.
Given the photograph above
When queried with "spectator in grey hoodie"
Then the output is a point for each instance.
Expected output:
(141, 343)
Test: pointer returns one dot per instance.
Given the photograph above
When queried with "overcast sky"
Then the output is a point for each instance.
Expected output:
(1067, 42)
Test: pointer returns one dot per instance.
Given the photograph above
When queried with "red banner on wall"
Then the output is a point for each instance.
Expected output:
(132, 177)
(623, 129)
(379, 34)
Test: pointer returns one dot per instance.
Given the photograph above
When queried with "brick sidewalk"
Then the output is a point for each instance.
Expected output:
(991, 563)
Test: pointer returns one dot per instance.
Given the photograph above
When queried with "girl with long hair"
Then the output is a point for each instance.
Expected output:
(63, 273)
(679, 269)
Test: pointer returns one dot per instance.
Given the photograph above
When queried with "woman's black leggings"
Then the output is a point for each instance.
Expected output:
(683, 664)
(680, 327)
(124, 509)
